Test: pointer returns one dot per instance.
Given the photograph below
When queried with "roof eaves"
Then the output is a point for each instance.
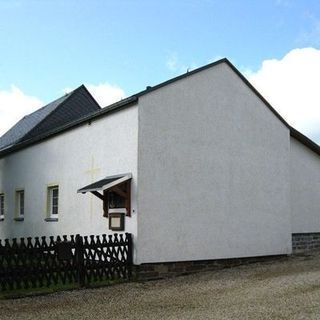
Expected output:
(182, 76)
(246, 81)
(93, 116)
(305, 140)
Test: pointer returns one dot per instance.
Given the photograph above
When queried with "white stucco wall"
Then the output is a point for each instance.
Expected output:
(110, 143)
(213, 172)
(305, 188)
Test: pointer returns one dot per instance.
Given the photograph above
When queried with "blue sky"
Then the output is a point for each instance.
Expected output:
(48, 46)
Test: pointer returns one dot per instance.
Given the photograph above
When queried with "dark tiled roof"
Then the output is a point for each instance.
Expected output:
(27, 123)
(70, 107)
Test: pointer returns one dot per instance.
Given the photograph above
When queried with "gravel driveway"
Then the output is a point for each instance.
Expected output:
(286, 289)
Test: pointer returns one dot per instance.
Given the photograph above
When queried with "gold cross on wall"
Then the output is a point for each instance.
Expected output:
(93, 171)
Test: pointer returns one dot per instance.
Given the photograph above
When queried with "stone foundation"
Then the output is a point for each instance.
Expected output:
(152, 271)
(303, 242)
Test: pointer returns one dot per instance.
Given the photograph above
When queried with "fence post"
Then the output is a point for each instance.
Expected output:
(130, 254)
(80, 260)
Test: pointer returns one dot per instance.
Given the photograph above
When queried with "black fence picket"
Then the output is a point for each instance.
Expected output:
(43, 262)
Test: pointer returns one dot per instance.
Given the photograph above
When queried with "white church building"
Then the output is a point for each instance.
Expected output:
(199, 167)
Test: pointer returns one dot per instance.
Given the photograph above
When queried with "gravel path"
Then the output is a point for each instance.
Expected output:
(287, 289)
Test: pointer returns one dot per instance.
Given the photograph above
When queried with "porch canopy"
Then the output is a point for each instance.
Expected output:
(105, 184)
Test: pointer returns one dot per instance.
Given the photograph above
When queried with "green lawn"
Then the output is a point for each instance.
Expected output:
(19, 293)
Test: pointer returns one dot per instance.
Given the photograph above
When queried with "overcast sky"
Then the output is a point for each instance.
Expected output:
(117, 48)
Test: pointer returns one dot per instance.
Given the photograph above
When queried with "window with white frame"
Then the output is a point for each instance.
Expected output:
(20, 204)
(1, 206)
(53, 202)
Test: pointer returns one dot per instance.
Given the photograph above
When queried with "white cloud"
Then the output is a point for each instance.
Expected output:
(14, 104)
(291, 85)
(104, 93)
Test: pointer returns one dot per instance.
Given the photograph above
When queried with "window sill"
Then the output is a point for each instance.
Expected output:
(18, 219)
(51, 219)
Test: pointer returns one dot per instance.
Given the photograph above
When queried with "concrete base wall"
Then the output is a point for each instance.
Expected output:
(152, 271)
(303, 242)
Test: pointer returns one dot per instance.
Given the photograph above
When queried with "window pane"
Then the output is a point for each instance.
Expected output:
(1, 204)
(53, 193)
(21, 203)
(54, 210)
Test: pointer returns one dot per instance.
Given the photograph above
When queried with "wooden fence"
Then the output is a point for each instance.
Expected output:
(43, 262)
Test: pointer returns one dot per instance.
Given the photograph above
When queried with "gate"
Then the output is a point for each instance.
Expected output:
(44, 262)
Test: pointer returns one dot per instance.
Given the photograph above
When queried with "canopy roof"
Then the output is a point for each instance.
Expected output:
(106, 183)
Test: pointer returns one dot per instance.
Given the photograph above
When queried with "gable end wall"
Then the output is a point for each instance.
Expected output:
(213, 172)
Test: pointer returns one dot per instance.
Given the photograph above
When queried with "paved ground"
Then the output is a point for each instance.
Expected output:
(279, 290)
